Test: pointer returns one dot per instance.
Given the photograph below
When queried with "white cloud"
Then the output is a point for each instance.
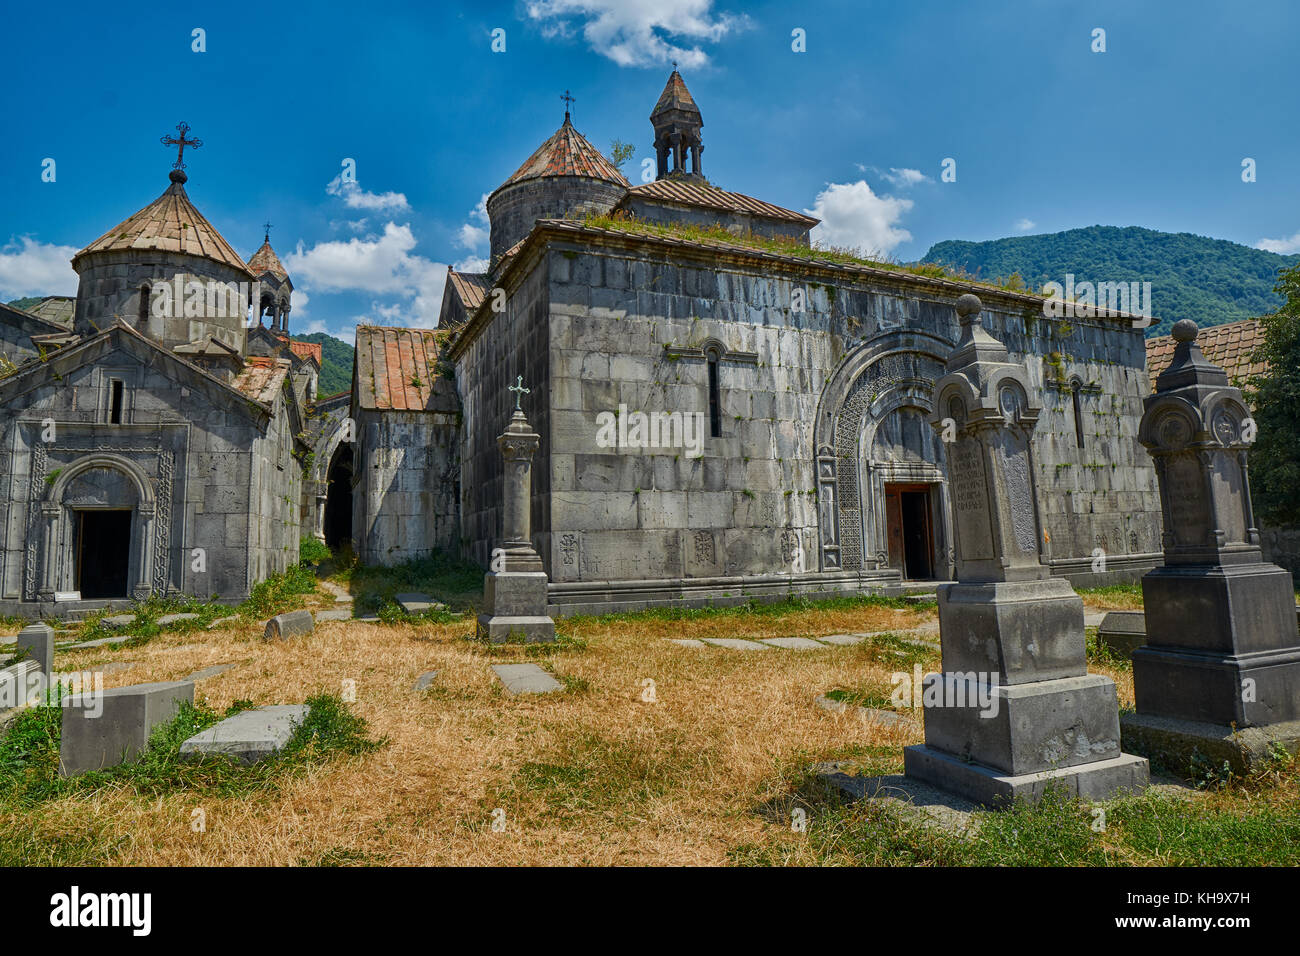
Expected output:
(640, 32)
(478, 230)
(471, 264)
(350, 191)
(854, 217)
(903, 177)
(29, 268)
(347, 333)
(378, 264)
(1284, 246)
(1024, 225)
(298, 300)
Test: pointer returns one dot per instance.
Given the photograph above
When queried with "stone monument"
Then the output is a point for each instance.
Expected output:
(1015, 709)
(1219, 674)
(515, 589)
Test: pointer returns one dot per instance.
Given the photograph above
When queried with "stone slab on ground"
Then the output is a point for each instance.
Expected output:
(1187, 746)
(1122, 632)
(284, 626)
(425, 681)
(525, 679)
(334, 614)
(872, 715)
(223, 622)
(110, 727)
(734, 644)
(248, 736)
(100, 642)
(205, 672)
(1094, 618)
(687, 642)
(843, 640)
(793, 643)
(175, 618)
(913, 798)
(368, 618)
(340, 595)
(118, 620)
(414, 602)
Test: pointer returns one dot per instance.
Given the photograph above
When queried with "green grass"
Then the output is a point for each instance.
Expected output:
(313, 551)
(29, 755)
(448, 580)
(861, 698)
(749, 609)
(1132, 589)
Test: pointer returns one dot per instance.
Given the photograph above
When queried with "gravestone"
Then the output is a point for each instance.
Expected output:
(1122, 632)
(106, 728)
(525, 679)
(1219, 674)
(515, 593)
(1015, 709)
(37, 642)
(284, 626)
(250, 735)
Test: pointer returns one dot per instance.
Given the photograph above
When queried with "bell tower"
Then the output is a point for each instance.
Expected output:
(677, 123)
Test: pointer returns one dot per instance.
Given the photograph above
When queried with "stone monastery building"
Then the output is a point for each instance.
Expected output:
(724, 412)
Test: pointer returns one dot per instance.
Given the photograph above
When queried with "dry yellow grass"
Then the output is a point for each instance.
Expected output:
(592, 775)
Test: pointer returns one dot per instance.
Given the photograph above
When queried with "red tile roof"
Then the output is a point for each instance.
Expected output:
(170, 223)
(567, 153)
(261, 378)
(711, 197)
(1230, 346)
(306, 350)
(397, 369)
(265, 260)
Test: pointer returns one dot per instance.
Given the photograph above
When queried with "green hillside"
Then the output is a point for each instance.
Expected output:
(1192, 277)
(336, 362)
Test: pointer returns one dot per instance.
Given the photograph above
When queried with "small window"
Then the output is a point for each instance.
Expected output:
(145, 293)
(115, 402)
(715, 396)
(1078, 412)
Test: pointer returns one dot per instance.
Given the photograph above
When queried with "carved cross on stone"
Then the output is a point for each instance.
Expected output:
(180, 142)
(519, 390)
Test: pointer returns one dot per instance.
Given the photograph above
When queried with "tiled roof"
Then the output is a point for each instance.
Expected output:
(265, 260)
(306, 350)
(675, 97)
(1230, 346)
(397, 369)
(261, 378)
(470, 286)
(55, 308)
(567, 153)
(170, 223)
(711, 197)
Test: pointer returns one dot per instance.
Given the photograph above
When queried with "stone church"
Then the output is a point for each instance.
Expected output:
(152, 437)
(787, 393)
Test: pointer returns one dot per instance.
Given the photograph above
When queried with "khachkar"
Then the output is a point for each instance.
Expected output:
(514, 590)
(1219, 675)
(1015, 710)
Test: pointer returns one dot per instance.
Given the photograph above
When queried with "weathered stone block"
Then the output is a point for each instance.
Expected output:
(284, 626)
(249, 736)
(112, 727)
(36, 641)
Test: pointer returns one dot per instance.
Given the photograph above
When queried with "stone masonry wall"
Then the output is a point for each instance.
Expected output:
(514, 209)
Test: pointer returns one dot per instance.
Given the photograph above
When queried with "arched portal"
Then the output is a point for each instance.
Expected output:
(881, 473)
(338, 497)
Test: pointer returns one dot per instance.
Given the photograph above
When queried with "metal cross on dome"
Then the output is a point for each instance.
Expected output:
(519, 390)
(180, 143)
(568, 102)
(267, 227)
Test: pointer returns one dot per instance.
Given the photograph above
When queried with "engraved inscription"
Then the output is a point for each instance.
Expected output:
(970, 500)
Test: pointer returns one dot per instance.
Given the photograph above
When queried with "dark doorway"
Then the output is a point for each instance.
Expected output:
(103, 549)
(338, 498)
(910, 530)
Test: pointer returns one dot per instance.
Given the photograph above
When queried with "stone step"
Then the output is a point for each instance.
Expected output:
(525, 679)
(249, 736)
(413, 602)
(793, 643)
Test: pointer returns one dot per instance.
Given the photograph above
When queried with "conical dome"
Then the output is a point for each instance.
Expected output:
(567, 153)
(170, 223)
(265, 260)
(675, 97)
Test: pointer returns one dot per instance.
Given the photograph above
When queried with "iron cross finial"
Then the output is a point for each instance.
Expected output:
(267, 227)
(180, 143)
(568, 102)
(519, 390)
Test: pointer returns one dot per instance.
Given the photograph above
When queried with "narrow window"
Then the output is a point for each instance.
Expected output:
(115, 406)
(1078, 413)
(145, 292)
(715, 397)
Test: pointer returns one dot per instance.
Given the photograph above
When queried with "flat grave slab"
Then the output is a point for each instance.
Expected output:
(176, 618)
(204, 673)
(224, 622)
(334, 614)
(101, 642)
(525, 679)
(734, 644)
(687, 642)
(118, 620)
(425, 681)
(413, 602)
(843, 640)
(794, 643)
(249, 736)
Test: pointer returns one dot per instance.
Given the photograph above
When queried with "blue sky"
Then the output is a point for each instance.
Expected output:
(1046, 133)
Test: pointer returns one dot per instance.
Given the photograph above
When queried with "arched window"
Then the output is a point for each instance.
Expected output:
(715, 394)
(1075, 389)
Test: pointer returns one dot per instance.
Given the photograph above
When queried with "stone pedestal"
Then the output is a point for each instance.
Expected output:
(515, 591)
(1222, 654)
(1015, 710)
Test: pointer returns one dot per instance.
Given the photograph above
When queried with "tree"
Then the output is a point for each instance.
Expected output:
(620, 152)
(1275, 396)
